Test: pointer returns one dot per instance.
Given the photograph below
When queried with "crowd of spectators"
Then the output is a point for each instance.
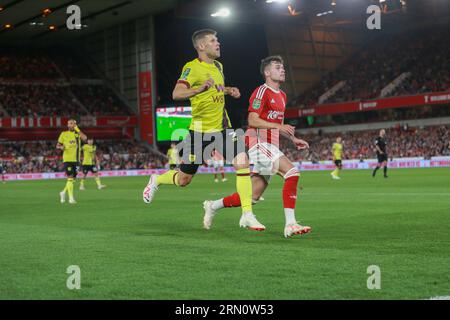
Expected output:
(42, 156)
(38, 100)
(36, 83)
(25, 157)
(99, 100)
(425, 56)
(429, 73)
(16, 64)
(402, 141)
(71, 64)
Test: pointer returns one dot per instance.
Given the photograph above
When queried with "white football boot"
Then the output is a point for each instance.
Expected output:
(150, 189)
(249, 221)
(72, 201)
(62, 197)
(209, 214)
(295, 228)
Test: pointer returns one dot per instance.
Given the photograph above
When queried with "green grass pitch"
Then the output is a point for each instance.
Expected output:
(129, 250)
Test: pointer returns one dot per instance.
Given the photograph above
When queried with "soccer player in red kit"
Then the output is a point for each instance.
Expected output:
(266, 123)
(218, 164)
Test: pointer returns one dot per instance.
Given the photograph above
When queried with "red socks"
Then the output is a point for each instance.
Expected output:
(290, 189)
(232, 201)
(289, 192)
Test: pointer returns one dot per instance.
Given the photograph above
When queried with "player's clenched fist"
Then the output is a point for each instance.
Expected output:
(233, 91)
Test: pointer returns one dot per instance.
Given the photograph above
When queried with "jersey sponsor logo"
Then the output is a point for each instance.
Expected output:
(220, 87)
(256, 104)
(185, 74)
(275, 115)
(218, 99)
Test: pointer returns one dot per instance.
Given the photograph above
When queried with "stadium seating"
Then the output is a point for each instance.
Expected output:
(425, 58)
(42, 156)
(99, 100)
(37, 84)
(22, 157)
(38, 100)
(19, 64)
(402, 142)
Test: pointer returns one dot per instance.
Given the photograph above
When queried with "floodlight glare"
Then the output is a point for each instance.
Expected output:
(224, 12)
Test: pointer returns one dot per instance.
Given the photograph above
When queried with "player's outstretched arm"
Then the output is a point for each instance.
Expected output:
(255, 121)
(183, 92)
(300, 143)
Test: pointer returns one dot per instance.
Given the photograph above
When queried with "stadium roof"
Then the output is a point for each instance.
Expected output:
(27, 19)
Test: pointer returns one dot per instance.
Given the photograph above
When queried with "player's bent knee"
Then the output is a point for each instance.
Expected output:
(183, 181)
(293, 172)
(241, 161)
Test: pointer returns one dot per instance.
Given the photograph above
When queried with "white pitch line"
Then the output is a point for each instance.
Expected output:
(439, 298)
(380, 194)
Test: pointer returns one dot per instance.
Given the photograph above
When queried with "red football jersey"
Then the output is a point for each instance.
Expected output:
(217, 156)
(270, 104)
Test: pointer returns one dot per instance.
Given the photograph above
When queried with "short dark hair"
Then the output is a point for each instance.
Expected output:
(200, 34)
(267, 61)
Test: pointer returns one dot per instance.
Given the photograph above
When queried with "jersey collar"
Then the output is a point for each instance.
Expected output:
(274, 90)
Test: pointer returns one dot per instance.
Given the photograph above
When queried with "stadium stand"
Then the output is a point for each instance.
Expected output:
(398, 114)
(39, 100)
(22, 64)
(42, 156)
(99, 100)
(424, 58)
(37, 84)
(403, 141)
(47, 83)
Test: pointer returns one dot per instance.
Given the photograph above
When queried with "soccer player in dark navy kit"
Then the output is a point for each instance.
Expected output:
(2, 171)
(380, 146)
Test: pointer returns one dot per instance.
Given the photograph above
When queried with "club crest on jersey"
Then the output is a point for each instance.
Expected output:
(185, 74)
(256, 104)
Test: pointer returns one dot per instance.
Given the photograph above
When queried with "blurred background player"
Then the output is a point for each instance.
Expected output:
(380, 146)
(202, 82)
(218, 163)
(337, 150)
(266, 121)
(90, 161)
(70, 143)
(172, 155)
(2, 171)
